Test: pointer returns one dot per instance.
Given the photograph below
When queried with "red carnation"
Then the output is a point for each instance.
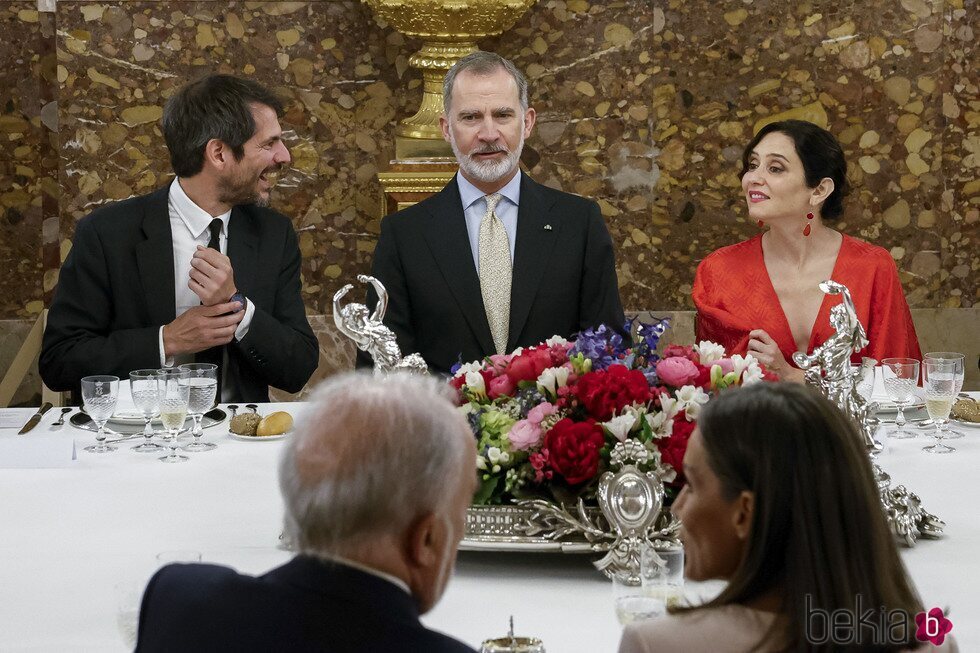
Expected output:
(573, 449)
(672, 448)
(684, 352)
(605, 392)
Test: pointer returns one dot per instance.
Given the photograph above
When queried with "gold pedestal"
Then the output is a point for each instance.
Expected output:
(408, 182)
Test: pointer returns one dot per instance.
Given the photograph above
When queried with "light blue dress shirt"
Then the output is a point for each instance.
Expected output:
(475, 207)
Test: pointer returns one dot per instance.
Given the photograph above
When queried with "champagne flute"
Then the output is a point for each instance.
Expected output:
(958, 373)
(99, 395)
(939, 377)
(901, 377)
(146, 395)
(174, 394)
(203, 383)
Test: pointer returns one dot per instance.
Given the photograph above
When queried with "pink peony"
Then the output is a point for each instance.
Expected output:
(499, 362)
(677, 371)
(501, 386)
(537, 414)
(524, 435)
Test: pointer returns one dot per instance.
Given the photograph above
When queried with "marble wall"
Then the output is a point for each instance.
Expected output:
(644, 106)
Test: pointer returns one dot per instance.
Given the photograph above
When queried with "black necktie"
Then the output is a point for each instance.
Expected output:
(215, 354)
(215, 227)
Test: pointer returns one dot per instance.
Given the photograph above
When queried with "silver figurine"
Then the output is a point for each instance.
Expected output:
(368, 331)
(829, 369)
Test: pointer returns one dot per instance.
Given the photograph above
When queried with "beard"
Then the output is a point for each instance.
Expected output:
(487, 171)
(243, 188)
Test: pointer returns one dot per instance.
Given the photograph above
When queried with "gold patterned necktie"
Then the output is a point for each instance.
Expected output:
(495, 273)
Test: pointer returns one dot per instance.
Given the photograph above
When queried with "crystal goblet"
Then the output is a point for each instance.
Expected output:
(99, 395)
(145, 388)
(901, 377)
(202, 381)
(958, 374)
(174, 394)
(939, 380)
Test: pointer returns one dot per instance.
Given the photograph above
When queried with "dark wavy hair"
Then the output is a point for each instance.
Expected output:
(215, 106)
(819, 538)
(821, 154)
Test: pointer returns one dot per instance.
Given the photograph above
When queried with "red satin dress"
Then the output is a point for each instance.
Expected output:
(734, 295)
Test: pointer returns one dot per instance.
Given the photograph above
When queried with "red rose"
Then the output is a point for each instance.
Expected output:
(704, 378)
(672, 448)
(529, 365)
(500, 386)
(605, 392)
(573, 449)
(684, 352)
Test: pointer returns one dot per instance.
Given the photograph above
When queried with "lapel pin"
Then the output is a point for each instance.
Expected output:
(547, 227)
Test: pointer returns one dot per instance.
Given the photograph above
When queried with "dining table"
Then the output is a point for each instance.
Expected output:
(79, 540)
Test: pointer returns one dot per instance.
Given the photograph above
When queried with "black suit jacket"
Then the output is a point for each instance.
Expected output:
(116, 289)
(564, 275)
(305, 605)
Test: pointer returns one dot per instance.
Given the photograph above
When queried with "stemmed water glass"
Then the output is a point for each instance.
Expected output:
(144, 385)
(203, 383)
(901, 377)
(99, 395)
(174, 394)
(958, 373)
(939, 379)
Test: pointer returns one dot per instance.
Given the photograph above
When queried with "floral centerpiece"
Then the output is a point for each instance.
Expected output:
(548, 417)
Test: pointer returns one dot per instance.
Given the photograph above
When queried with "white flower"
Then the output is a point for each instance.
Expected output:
(553, 378)
(517, 352)
(661, 424)
(691, 394)
(466, 368)
(475, 383)
(669, 406)
(481, 462)
(620, 426)
(710, 352)
(555, 340)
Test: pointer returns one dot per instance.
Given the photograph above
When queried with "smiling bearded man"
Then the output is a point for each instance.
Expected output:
(494, 261)
(198, 270)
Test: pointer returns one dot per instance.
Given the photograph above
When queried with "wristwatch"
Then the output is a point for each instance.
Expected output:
(240, 298)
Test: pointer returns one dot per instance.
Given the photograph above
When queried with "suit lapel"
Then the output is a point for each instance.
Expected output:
(243, 247)
(155, 259)
(532, 253)
(445, 232)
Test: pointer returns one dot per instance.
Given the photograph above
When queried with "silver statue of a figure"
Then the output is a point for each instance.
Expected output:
(829, 369)
(370, 334)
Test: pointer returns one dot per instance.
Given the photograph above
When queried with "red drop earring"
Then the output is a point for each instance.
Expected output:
(761, 224)
(806, 229)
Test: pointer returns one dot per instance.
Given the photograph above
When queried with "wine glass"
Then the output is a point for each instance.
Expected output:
(174, 395)
(99, 395)
(939, 379)
(144, 385)
(960, 369)
(901, 377)
(203, 383)
(662, 575)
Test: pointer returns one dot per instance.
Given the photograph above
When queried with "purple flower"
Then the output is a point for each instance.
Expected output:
(602, 346)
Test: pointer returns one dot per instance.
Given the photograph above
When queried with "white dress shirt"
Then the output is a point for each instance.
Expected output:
(475, 207)
(189, 228)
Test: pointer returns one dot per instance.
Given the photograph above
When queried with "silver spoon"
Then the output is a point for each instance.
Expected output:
(61, 419)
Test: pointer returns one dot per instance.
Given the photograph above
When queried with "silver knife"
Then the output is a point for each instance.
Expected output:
(35, 418)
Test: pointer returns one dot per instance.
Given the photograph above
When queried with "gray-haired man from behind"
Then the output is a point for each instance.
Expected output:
(376, 481)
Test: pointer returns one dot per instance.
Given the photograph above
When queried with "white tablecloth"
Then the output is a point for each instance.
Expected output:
(74, 540)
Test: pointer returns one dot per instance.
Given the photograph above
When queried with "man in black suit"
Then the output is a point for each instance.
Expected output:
(377, 534)
(494, 261)
(198, 270)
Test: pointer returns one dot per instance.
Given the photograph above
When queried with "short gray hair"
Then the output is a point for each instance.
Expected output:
(483, 63)
(370, 456)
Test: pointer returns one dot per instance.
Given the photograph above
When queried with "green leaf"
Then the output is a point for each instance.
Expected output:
(488, 487)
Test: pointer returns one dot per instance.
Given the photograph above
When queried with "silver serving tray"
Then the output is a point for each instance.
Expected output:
(82, 421)
(495, 528)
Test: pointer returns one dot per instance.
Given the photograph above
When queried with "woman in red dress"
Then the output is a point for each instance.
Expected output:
(761, 296)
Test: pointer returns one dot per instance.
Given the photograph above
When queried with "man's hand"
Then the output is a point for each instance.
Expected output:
(202, 327)
(212, 277)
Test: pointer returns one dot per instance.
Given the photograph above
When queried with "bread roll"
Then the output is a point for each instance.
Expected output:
(244, 424)
(275, 424)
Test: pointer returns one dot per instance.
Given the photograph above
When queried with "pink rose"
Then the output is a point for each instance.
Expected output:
(501, 386)
(537, 414)
(524, 435)
(677, 371)
(499, 362)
